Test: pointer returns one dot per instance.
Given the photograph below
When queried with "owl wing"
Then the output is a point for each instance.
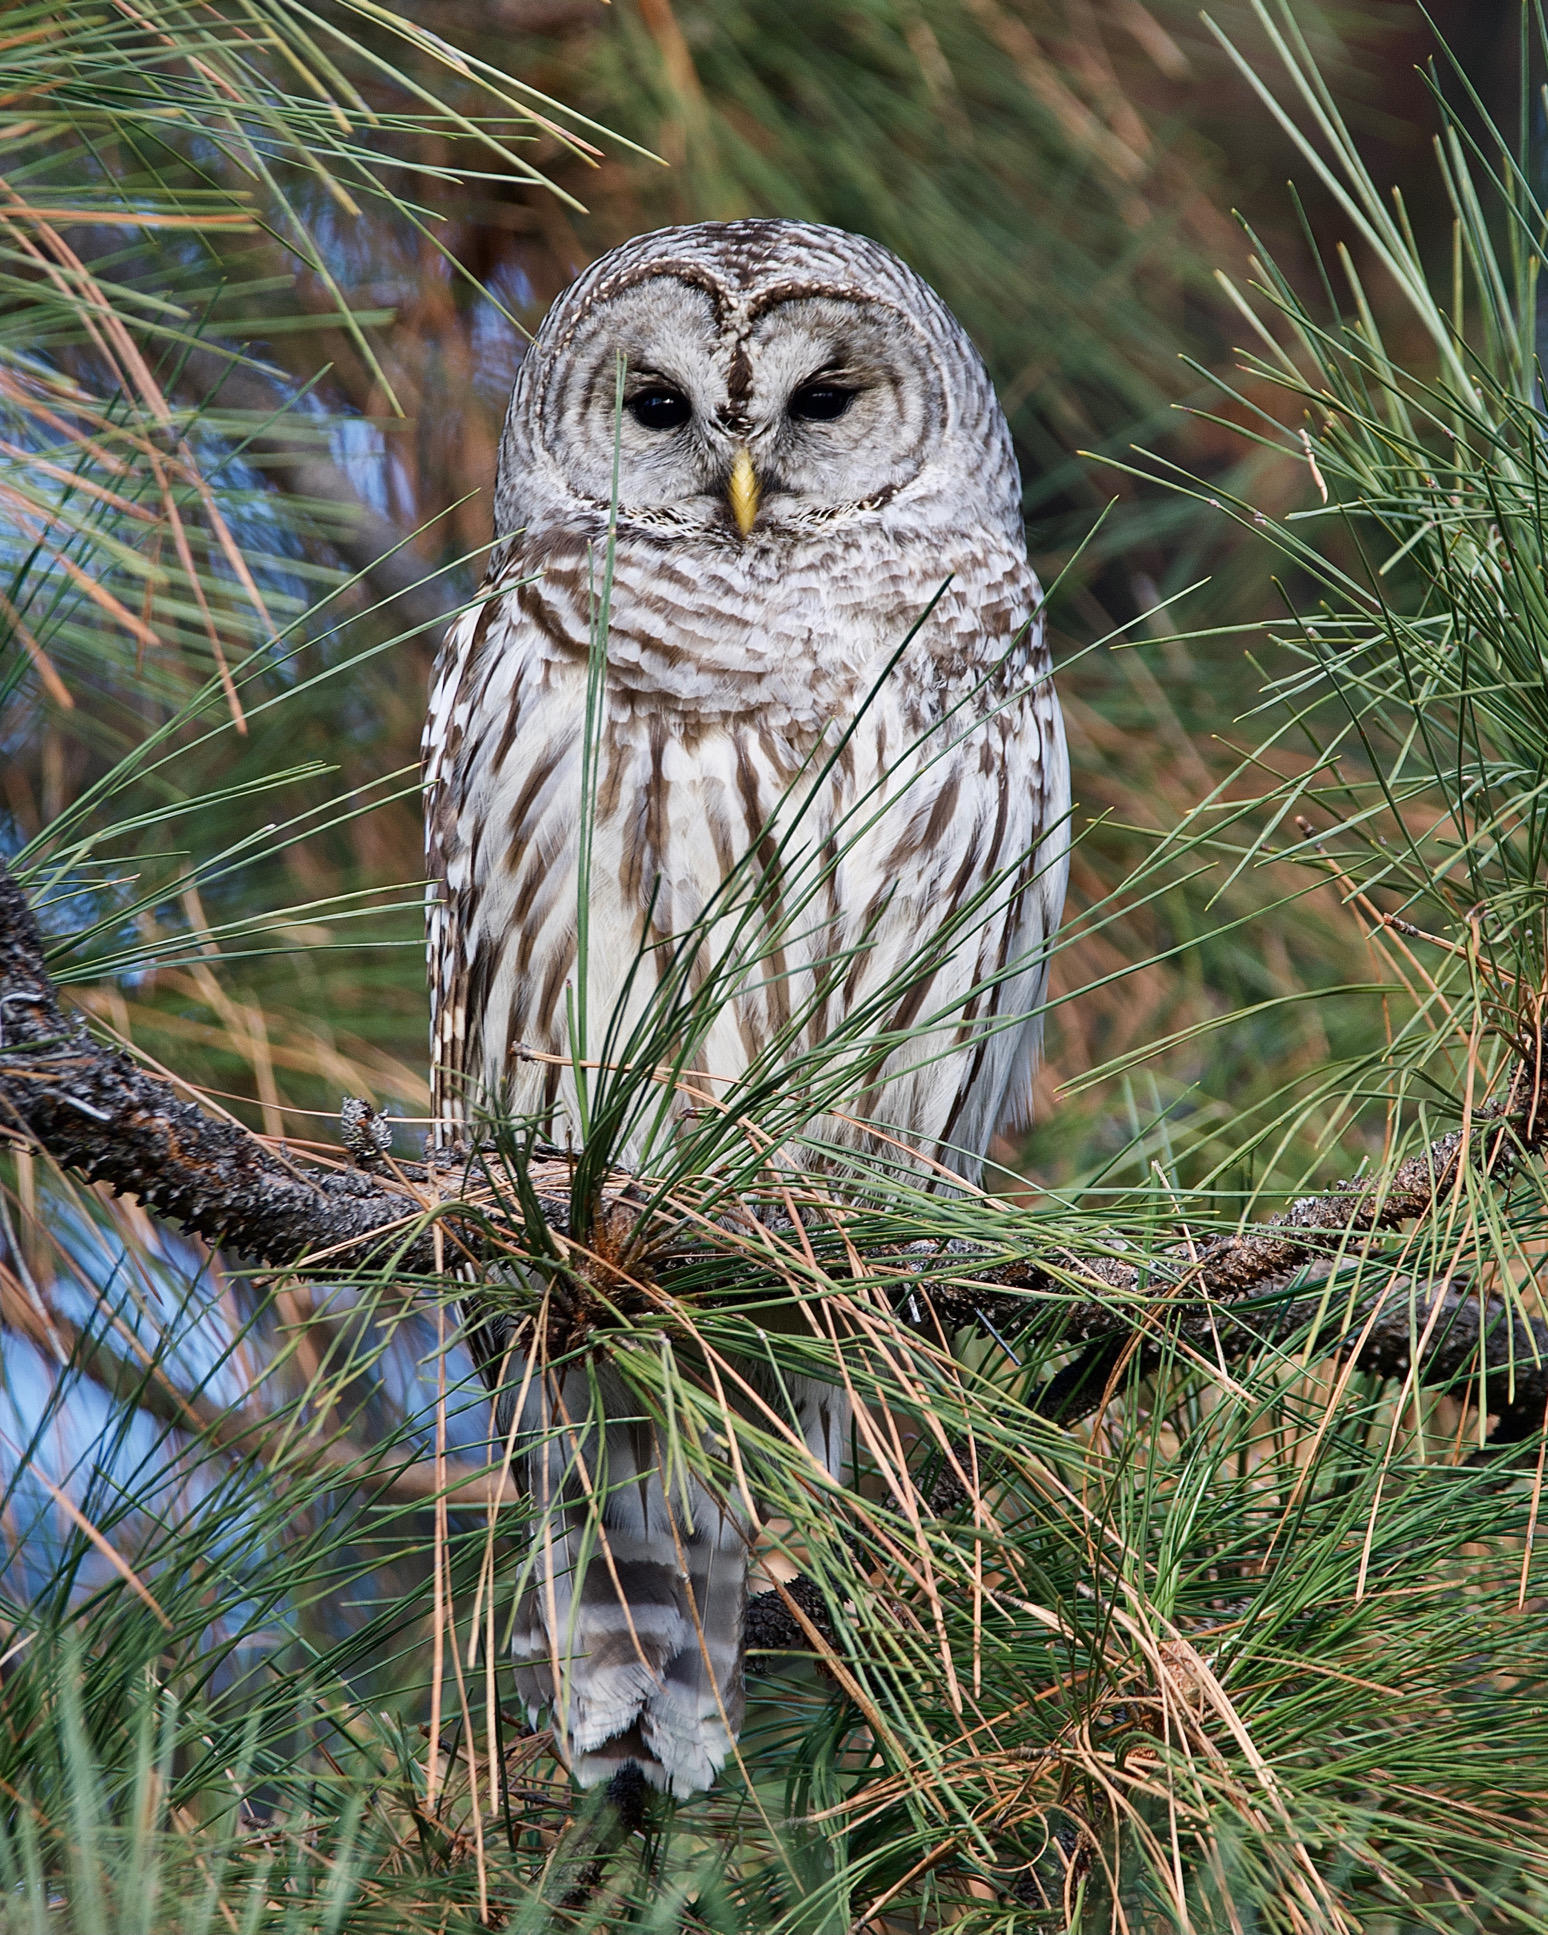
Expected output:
(1028, 792)
(445, 905)
(627, 1635)
(950, 899)
(1038, 905)
(475, 693)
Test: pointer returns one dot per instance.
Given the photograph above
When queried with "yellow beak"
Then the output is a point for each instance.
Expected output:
(742, 489)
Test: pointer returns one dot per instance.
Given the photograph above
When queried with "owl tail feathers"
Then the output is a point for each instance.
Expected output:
(647, 1654)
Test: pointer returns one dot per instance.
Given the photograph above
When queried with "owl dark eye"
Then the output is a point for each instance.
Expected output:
(821, 402)
(660, 408)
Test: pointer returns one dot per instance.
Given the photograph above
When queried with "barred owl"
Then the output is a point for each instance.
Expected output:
(773, 453)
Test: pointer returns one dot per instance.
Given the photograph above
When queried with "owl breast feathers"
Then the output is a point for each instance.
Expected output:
(758, 519)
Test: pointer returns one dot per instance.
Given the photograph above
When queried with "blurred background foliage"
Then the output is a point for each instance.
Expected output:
(267, 273)
(345, 342)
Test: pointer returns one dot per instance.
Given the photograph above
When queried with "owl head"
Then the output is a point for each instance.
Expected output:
(775, 377)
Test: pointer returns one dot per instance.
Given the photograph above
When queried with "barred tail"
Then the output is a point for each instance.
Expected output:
(629, 1630)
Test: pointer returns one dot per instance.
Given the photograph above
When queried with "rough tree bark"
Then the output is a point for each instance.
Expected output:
(96, 1112)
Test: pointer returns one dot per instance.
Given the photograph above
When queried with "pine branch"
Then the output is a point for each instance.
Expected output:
(96, 1112)
(1455, 1330)
(1231, 1269)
